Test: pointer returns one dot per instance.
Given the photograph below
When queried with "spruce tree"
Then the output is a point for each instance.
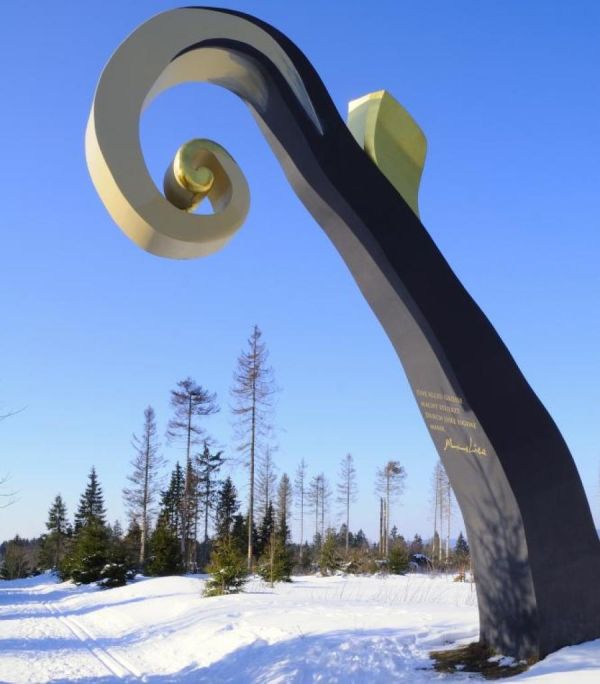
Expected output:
(227, 507)
(165, 550)
(266, 530)
(398, 558)
(172, 500)
(91, 504)
(227, 567)
(89, 552)
(329, 560)
(57, 526)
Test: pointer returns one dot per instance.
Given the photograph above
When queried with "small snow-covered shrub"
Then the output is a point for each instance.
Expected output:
(116, 574)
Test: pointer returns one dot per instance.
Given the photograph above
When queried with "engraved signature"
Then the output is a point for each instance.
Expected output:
(470, 448)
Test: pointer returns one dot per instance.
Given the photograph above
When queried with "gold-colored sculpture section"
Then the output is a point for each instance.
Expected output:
(198, 171)
(392, 139)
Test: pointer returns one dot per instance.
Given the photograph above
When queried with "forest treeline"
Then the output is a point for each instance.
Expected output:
(197, 522)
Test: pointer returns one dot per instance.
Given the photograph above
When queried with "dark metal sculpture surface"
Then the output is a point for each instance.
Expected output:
(535, 552)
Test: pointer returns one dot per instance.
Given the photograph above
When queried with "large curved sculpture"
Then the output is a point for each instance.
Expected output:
(536, 554)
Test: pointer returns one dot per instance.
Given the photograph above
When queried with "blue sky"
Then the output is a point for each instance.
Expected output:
(93, 329)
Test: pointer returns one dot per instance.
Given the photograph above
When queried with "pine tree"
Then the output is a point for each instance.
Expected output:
(190, 403)
(57, 526)
(347, 490)
(140, 498)
(252, 392)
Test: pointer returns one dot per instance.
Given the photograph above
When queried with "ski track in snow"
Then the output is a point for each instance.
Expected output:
(115, 665)
(335, 630)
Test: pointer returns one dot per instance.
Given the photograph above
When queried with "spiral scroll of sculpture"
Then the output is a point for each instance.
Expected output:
(535, 552)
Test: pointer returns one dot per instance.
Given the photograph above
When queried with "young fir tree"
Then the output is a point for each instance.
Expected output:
(398, 558)
(266, 530)
(91, 504)
(347, 491)
(227, 567)
(54, 545)
(140, 497)
(165, 550)
(191, 403)
(252, 392)
(329, 560)
(89, 551)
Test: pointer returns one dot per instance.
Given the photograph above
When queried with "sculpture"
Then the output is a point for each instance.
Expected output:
(513, 476)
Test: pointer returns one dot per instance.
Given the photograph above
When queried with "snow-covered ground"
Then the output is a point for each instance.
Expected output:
(329, 630)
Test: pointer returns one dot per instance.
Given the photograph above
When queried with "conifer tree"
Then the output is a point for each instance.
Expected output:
(208, 464)
(165, 550)
(347, 491)
(462, 552)
(252, 392)
(284, 508)
(300, 485)
(58, 528)
(389, 484)
(266, 479)
(91, 509)
(329, 560)
(89, 552)
(227, 567)
(227, 507)
(172, 501)
(140, 497)
(275, 565)
(190, 403)
(266, 530)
